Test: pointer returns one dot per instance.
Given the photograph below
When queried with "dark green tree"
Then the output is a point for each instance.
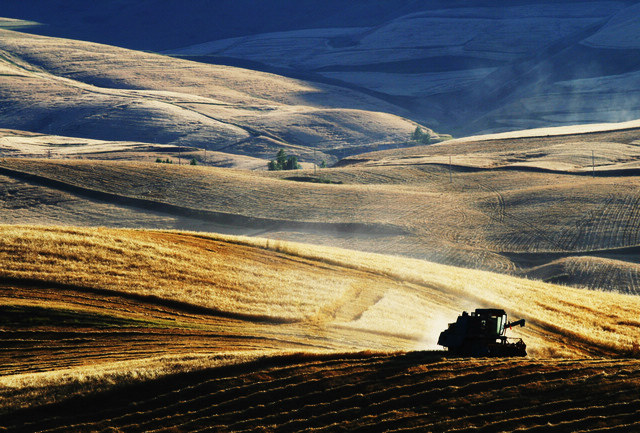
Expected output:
(292, 163)
(281, 158)
(323, 164)
(420, 136)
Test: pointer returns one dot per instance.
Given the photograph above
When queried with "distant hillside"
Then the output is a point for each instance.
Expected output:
(462, 67)
(79, 89)
(165, 24)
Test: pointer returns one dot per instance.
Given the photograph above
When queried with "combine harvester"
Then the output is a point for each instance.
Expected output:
(481, 333)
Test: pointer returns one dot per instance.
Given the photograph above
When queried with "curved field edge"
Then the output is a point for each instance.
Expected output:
(332, 288)
(358, 392)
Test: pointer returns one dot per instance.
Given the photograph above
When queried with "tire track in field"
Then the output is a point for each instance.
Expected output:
(503, 217)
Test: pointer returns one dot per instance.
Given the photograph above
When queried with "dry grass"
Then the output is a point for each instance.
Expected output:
(568, 153)
(35, 389)
(260, 279)
(150, 264)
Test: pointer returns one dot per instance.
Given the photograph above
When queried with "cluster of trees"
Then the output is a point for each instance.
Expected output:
(420, 136)
(168, 161)
(284, 162)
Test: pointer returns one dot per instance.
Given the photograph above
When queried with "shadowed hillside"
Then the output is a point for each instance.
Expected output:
(372, 393)
(78, 89)
(457, 66)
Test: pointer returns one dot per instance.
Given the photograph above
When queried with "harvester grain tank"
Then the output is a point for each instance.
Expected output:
(482, 333)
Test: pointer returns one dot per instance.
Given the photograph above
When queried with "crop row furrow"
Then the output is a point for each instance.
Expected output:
(599, 224)
(585, 420)
(613, 239)
(199, 393)
(358, 396)
(494, 407)
(287, 395)
(626, 228)
(630, 228)
(558, 409)
(527, 233)
(623, 217)
(628, 426)
(583, 238)
(411, 381)
(574, 417)
(334, 398)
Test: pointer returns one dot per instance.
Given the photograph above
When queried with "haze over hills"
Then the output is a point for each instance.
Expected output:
(461, 67)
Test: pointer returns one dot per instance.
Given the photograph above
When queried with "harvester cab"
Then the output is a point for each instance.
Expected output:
(482, 333)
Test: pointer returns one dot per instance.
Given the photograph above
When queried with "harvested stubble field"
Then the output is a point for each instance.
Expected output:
(178, 331)
(364, 393)
(526, 207)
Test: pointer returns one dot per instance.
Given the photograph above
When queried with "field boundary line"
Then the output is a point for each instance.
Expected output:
(224, 218)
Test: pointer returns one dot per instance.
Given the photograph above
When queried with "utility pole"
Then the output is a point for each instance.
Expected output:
(179, 155)
(450, 176)
(593, 164)
(315, 166)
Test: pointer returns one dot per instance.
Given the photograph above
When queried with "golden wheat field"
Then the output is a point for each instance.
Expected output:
(184, 331)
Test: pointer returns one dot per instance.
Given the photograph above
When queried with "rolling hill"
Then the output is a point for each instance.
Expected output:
(172, 320)
(141, 293)
(462, 67)
(78, 89)
(528, 206)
